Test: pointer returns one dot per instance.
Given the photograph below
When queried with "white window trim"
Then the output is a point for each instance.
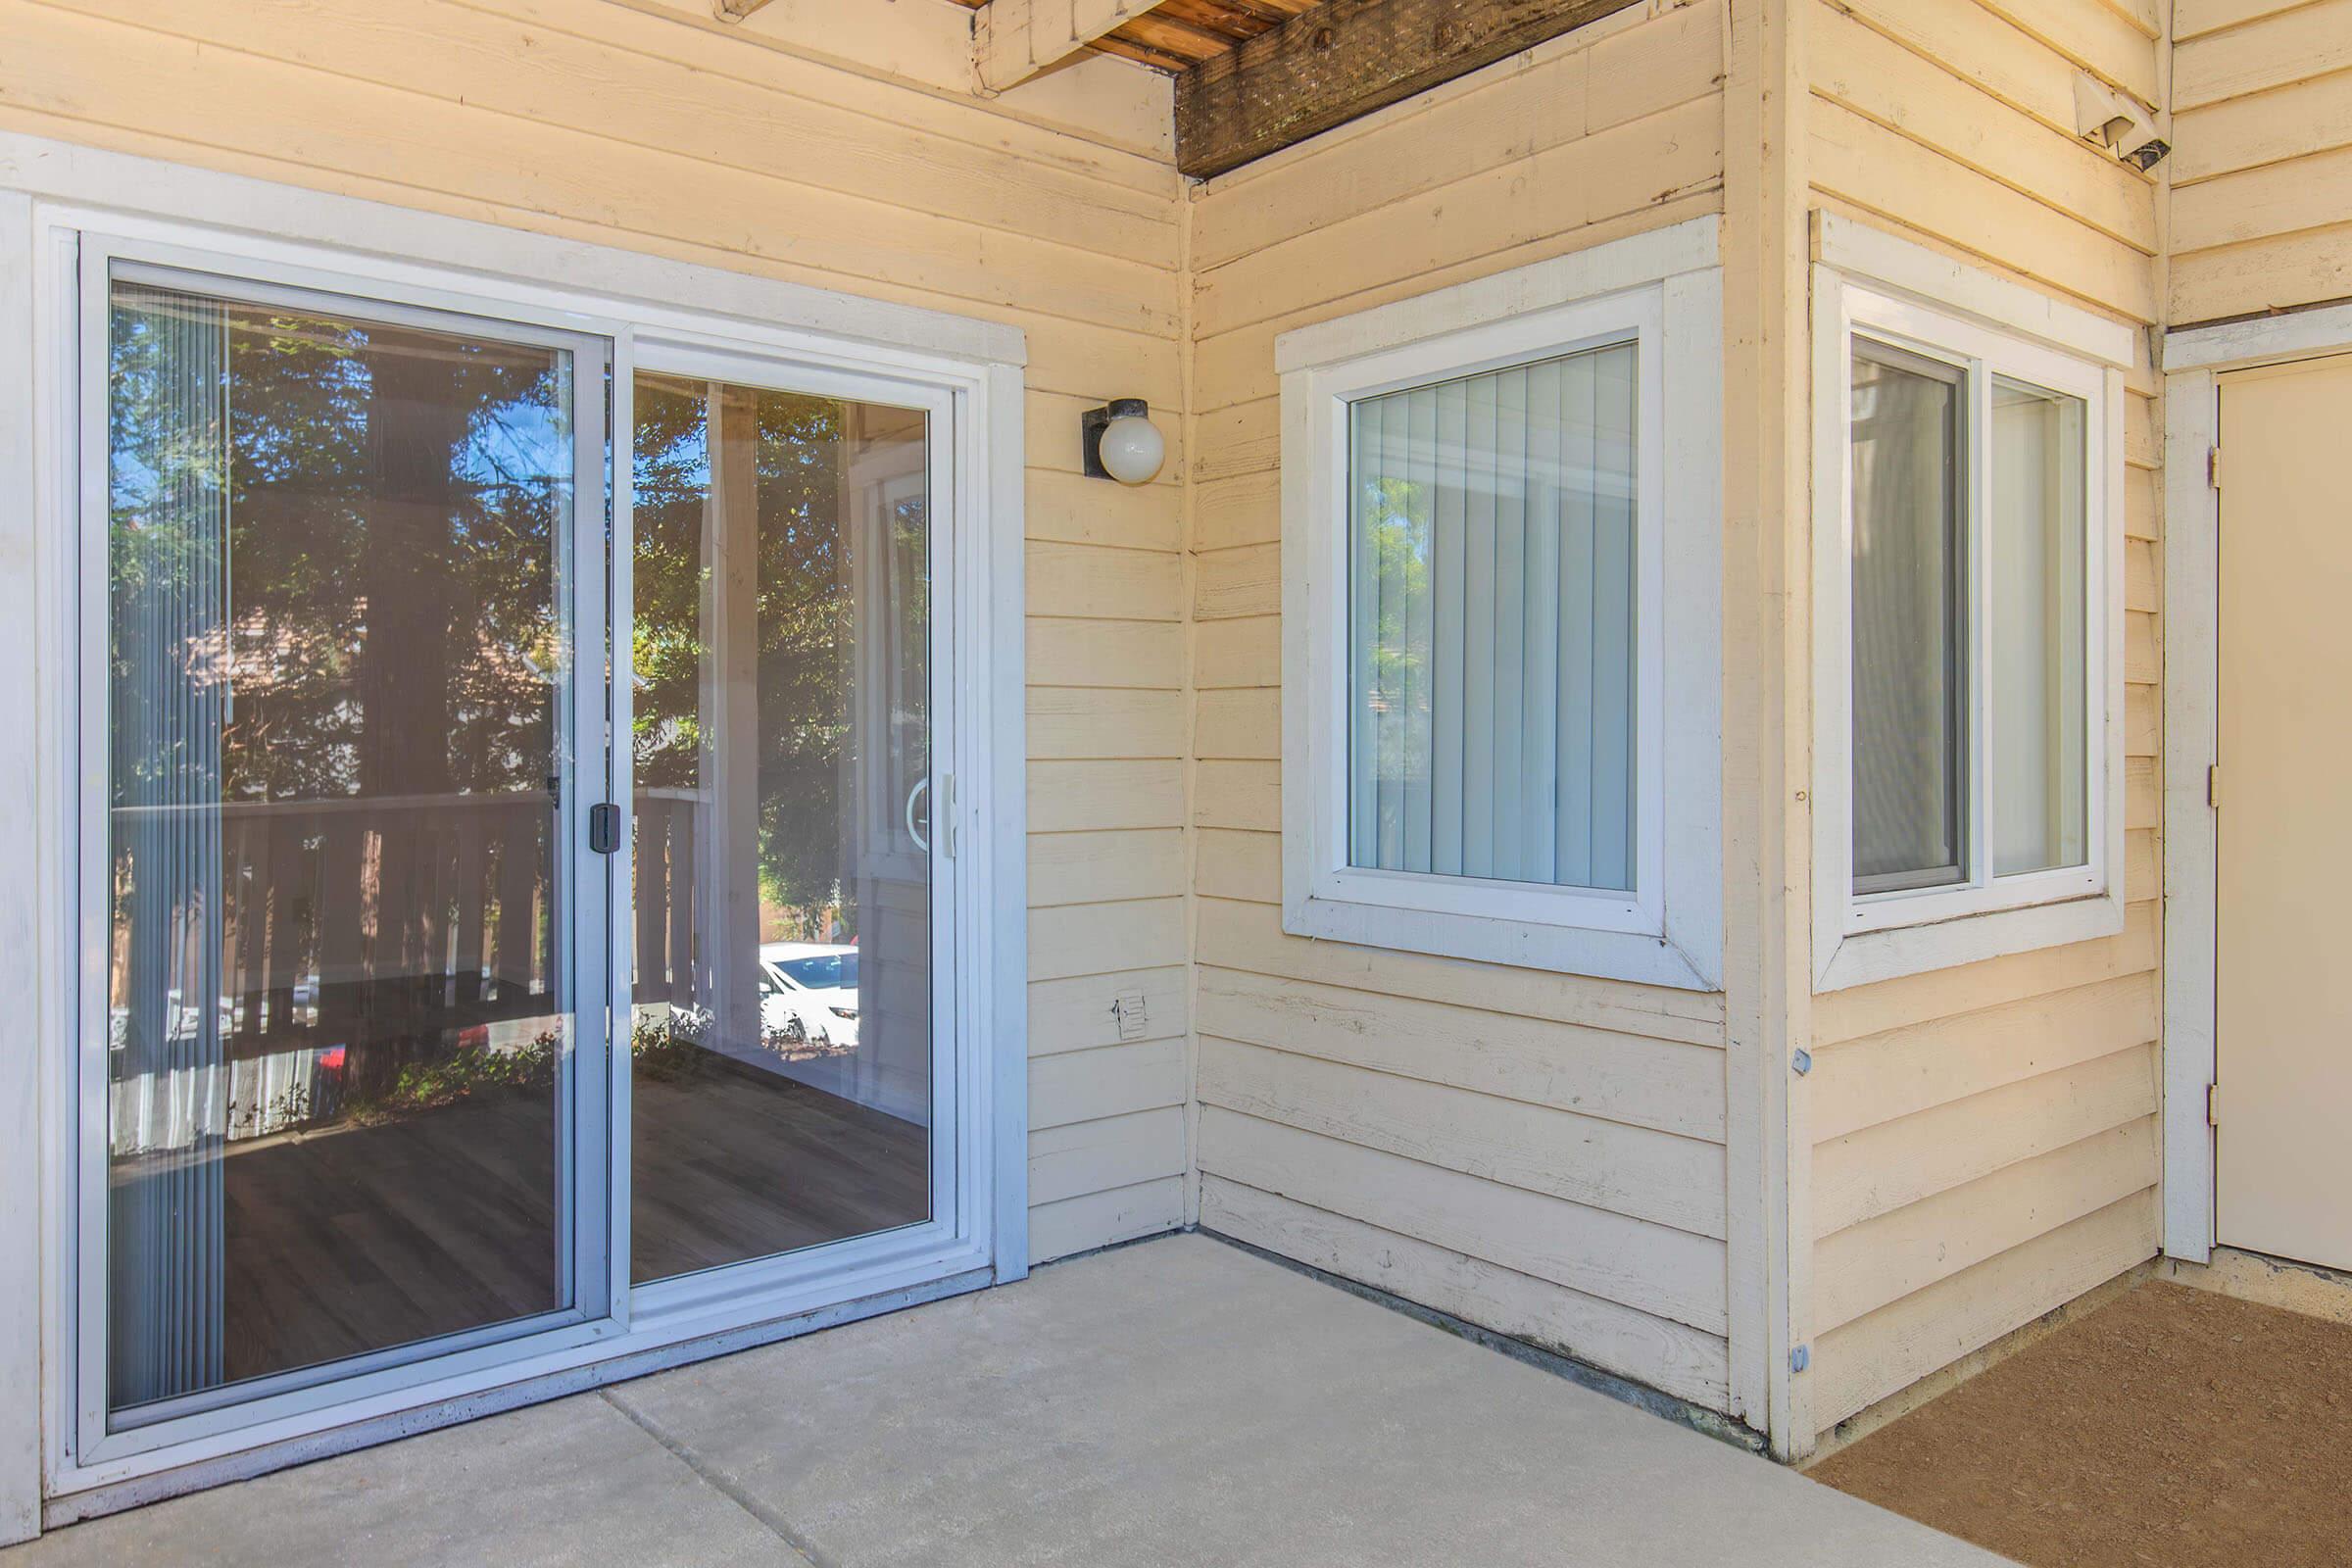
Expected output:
(1890, 290)
(53, 192)
(1664, 289)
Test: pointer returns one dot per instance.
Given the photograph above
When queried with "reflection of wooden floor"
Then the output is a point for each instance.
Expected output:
(374, 1235)
(379, 1236)
(737, 1164)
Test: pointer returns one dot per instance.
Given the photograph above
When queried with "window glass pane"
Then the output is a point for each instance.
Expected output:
(783, 752)
(2038, 773)
(339, 997)
(1909, 591)
(1493, 671)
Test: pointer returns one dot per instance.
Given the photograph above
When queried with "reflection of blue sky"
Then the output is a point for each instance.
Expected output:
(686, 460)
(132, 482)
(514, 443)
(521, 442)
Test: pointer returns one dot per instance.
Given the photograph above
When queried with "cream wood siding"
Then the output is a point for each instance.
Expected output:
(1985, 1142)
(660, 130)
(2262, 161)
(1538, 1153)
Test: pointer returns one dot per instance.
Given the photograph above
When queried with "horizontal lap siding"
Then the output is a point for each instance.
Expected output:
(1985, 1139)
(2262, 166)
(658, 133)
(1538, 1153)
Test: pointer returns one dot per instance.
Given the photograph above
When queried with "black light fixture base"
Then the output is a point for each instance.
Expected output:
(1090, 425)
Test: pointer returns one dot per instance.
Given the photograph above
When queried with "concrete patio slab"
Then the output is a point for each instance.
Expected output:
(567, 1482)
(1179, 1401)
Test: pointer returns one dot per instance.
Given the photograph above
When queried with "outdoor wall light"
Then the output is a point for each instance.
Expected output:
(1121, 442)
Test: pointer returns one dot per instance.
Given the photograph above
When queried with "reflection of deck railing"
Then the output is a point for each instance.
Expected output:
(664, 835)
(413, 915)
(376, 920)
(360, 936)
(363, 937)
(368, 944)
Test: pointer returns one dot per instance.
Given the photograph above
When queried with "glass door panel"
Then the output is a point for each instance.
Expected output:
(343, 1079)
(782, 1088)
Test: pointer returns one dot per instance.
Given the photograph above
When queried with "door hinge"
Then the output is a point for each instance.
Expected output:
(604, 827)
(2213, 1105)
(2213, 785)
(2213, 466)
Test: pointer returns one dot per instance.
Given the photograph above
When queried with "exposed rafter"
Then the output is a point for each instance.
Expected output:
(1014, 40)
(1173, 35)
(1325, 67)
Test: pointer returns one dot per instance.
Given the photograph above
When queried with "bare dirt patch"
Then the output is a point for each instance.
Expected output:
(2170, 1427)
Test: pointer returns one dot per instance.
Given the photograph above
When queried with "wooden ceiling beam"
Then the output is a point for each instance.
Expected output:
(1014, 40)
(1126, 48)
(1345, 58)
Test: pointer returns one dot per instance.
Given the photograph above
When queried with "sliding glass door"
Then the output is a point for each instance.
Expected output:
(516, 871)
(352, 664)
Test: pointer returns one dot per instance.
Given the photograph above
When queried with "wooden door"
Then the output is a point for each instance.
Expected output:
(2284, 887)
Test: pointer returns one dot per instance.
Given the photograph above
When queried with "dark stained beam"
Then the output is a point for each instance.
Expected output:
(1345, 58)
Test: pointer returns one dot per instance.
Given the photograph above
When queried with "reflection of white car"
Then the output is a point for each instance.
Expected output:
(810, 991)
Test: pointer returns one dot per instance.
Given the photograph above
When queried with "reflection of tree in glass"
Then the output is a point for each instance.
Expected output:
(396, 495)
(804, 621)
(1396, 516)
(379, 622)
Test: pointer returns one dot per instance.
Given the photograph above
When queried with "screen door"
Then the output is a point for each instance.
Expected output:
(785, 1085)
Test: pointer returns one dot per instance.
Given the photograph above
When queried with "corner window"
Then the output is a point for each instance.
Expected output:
(1968, 704)
(1501, 515)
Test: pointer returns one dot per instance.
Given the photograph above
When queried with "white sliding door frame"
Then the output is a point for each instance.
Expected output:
(586, 1076)
(717, 1292)
(2193, 359)
(57, 199)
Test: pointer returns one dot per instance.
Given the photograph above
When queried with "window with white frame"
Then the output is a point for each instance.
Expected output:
(1967, 724)
(1501, 591)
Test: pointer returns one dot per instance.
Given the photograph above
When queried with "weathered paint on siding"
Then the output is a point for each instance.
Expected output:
(2262, 162)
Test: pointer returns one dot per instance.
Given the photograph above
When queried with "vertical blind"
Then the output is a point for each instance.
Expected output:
(1493, 668)
(169, 540)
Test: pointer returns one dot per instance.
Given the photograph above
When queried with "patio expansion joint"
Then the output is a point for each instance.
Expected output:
(769, 1519)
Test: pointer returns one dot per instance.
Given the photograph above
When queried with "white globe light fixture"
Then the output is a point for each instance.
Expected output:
(1122, 441)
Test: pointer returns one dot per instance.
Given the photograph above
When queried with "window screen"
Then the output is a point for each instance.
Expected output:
(1909, 640)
